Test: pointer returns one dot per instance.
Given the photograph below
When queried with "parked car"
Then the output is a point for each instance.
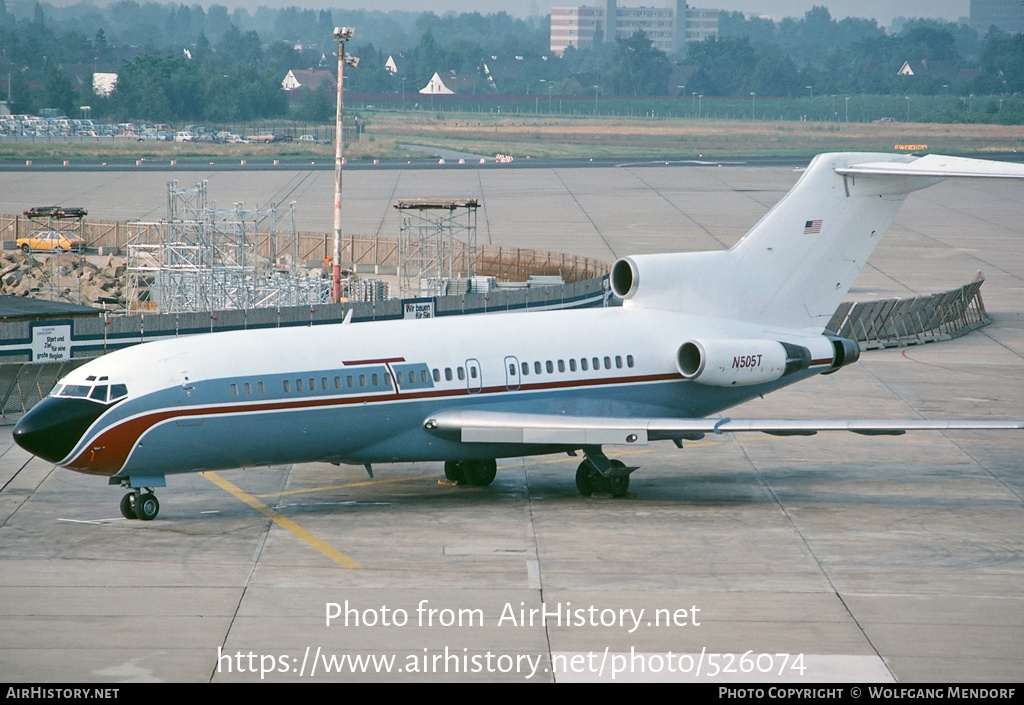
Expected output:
(50, 241)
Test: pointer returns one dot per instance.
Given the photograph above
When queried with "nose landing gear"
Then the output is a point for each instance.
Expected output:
(140, 504)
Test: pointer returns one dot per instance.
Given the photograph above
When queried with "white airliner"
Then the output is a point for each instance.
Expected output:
(697, 333)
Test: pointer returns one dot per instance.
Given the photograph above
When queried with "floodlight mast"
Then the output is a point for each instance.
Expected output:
(341, 35)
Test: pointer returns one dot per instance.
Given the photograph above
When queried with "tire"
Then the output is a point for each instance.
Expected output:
(26, 249)
(617, 486)
(453, 471)
(480, 473)
(585, 478)
(128, 506)
(589, 481)
(147, 507)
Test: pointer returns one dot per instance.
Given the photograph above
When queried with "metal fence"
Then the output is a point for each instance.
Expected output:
(365, 254)
(920, 319)
(26, 383)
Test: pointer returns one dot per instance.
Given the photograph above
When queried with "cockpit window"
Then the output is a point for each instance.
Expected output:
(76, 390)
(102, 393)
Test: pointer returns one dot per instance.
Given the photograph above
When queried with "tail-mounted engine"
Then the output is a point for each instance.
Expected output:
(735, 362)
(727, 363)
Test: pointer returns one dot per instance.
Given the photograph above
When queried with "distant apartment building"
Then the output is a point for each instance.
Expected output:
(1005, 15)
(668, 27)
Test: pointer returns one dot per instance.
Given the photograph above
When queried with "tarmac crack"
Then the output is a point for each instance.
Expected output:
(810, 549)
(583, 210)
(536, 560)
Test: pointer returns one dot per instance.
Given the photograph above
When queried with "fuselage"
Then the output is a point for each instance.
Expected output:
(359, 393)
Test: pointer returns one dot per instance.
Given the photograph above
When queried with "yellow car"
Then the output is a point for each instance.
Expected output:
(51, 240)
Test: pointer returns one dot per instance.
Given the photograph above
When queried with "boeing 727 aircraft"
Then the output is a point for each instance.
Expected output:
(697, 333)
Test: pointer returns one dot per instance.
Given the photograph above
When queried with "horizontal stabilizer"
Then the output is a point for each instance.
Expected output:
(939, 166)
(470, 426)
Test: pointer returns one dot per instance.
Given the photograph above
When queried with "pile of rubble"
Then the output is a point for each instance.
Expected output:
(90, 280)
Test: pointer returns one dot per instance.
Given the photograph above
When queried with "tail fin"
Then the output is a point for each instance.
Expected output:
(793, 268)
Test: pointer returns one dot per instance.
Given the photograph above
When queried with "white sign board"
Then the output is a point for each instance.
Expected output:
(51, 343)
(419, 309)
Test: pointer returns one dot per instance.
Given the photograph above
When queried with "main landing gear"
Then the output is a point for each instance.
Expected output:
(599, 474)
(475, 473)
(140, 504)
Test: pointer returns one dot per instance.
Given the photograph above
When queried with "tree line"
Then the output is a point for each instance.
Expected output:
(186, 63)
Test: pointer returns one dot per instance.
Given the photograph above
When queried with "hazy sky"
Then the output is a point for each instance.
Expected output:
(881, 10)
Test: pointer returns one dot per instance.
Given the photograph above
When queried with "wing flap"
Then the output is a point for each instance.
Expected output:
(470, 426)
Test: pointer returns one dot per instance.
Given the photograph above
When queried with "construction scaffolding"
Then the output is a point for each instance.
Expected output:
(437, 243)
(204, 258)
(56, 241)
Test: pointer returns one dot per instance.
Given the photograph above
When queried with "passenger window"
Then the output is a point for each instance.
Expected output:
(583, 364)
(512, 370)
(298, 385)
(448, 373)
(323, 383)
(526, 368)
(362, 380)
(234, 389)
(247, 388)
(618, 362)
(374, 380)
(259, 387)
(597, 364)
(537, 367)
(549, 366)
(472, 372)
(437, 375)
(572, 365)
(387, 381)
(423, 376)
(350, 381)
(561, 365)
(337, 382)
(461, 373)
(629, 360)
(312, 384)
(607, 363)
(401, 377)
(287, 386)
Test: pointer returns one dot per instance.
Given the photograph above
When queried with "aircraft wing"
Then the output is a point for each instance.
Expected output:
(938, 166)
(469, 426)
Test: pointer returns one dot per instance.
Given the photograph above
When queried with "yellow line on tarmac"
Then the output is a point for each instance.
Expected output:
(364, 483)
(282, 521)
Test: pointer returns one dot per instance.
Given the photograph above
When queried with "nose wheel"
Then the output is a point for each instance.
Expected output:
(140, 505)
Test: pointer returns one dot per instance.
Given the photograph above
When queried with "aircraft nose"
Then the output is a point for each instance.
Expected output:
(52, 428)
